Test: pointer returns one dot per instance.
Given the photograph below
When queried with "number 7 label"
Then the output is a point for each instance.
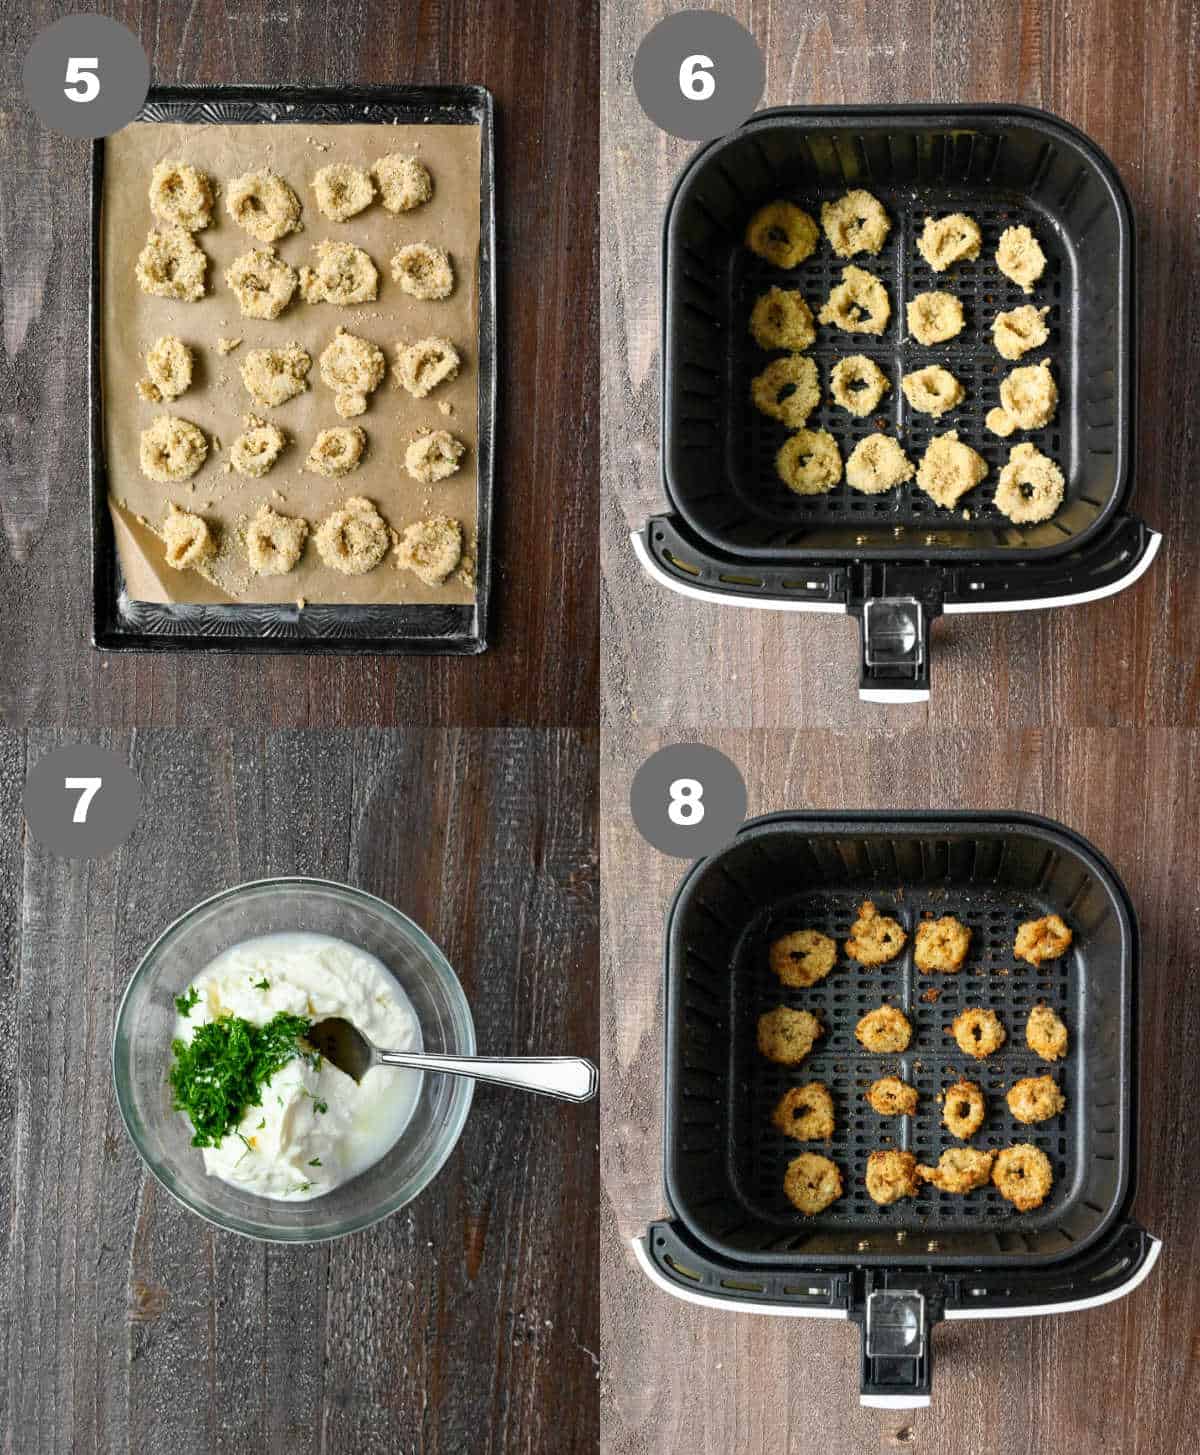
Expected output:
(87, 789)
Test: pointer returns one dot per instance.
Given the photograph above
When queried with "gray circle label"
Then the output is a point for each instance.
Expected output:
(85, 75)
(81, 801)
(688, 800)
(698, 74)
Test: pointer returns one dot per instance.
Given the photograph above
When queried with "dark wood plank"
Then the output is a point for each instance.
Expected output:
(466, 1321)
(542, 668)
(1126, 660)
(1117, 1378)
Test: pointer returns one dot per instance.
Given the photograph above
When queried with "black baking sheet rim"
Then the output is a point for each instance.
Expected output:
(119, 624)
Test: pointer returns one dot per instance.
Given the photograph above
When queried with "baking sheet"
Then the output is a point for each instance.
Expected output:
(218, 402)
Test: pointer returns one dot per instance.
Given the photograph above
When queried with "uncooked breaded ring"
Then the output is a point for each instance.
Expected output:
(808, 462)
(803, 958)
(1020, 329)
(1029, 395)
(782, 233)
(1023, 1175)
(858, 384)
(941, 945)
(948, 240)
(891, 1097)
(891, 1175)
(856, 223)
(885, 1030)
(423, 365)
(274, 542)
(932, 390)
(788, 390)
(264, 204)
(978, 1032)
(812, 1182)
(934, 317)
(805, 1113)
(858, 304)
(781, 319)
(262, 282)
(181, 194)
(963, 1109)
(1031, 485)
(342, 191)
(187, 538)
(1019, 256)
(877, 463)
(423, 271)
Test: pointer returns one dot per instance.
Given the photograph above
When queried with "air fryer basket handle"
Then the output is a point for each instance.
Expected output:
(894, 648)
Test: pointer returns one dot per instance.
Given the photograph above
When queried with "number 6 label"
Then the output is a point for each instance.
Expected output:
(696, 80)
(698, 74)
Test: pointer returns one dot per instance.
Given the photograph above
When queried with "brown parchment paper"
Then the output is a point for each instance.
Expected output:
(218, 401)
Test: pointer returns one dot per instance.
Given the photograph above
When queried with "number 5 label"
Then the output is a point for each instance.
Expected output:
(82, 82)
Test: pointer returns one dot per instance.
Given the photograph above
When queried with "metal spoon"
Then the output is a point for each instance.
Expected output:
(568, 1077)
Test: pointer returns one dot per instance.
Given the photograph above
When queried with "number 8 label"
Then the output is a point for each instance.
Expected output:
(686, 807)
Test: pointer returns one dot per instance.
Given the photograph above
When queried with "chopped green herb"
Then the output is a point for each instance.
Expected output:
(244, 1143)
(315, 1162)
(263, 984)
(222, 1070)
(300, 1187)
(321, 1106)
(184, 1003)
(261, 1125)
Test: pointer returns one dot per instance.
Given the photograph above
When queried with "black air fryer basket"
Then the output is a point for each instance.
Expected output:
(733, 1238)
(737, 535)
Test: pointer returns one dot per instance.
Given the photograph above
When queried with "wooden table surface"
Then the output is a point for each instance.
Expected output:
(1120, 1379)
(542, 667)
(467, 1321)
(1125, 73)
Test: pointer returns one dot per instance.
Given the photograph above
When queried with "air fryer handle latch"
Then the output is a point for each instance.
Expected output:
(896, 1349)
(895, 649)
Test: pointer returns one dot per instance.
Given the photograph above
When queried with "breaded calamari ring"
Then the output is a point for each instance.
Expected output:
(1035, 1099)
(805, 1113)
(891, 1097)
(891, 1175)
(941, 945)
(874, 938)
(963, 1109)
(1023, 1175)
(884, 1030)
(1045, 1034)
(786, 1036)
(782, 233)
(812, 1182)
(959, 1170)
(803, 957)
(1042, 939)
(979, 1032)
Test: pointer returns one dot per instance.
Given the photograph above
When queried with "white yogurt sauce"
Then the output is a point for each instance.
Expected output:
(289, 1148)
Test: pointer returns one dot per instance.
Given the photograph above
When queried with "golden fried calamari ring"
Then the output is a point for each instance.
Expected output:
(1042, 939)
(786, 1036)
(979, 1032)
(803, 957)
(884, 1030)
(941, 945)
(891, 1175)
(1036, 1099)
(1045, 1034)
(959, 1170)
(963, 1109)
(1023, 1175)
(805, 1113)
(891, 1097)
(874, 938)
(782, 233)
(812, 1182)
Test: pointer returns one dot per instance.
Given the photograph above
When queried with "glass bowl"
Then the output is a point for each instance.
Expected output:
(146, 1023)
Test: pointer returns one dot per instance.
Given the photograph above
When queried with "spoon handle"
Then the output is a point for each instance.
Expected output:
(570, 1078)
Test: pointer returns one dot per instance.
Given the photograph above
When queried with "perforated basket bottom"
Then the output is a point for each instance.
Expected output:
(990, 977)
(754, 438)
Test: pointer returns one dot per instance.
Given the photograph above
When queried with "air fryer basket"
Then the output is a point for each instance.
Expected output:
(1004, 167)
(725, 1162)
